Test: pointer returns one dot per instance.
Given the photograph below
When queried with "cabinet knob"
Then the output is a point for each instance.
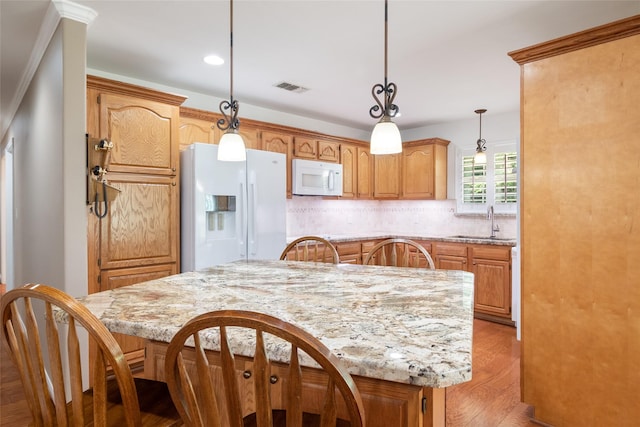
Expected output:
(273, 379)
(173, 169)
(173, 183)
(246, 375)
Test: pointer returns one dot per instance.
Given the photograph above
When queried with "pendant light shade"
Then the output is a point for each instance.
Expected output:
(231, 146)
(385, 138)
(480, 156)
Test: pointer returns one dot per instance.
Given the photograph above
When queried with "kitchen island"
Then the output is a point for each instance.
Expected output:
(404, 334)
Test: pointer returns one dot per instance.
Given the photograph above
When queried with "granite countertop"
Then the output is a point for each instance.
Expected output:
(405, 325)
(342, 238)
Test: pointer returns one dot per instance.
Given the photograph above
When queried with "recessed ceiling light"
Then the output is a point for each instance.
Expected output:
(213, 60)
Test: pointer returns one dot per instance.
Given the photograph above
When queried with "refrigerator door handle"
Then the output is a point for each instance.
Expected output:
(243, 221)
(253, 200)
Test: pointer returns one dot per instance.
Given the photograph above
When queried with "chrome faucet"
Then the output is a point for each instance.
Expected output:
(494, 227)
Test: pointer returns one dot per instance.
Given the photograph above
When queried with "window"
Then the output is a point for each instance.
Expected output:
(495, 183)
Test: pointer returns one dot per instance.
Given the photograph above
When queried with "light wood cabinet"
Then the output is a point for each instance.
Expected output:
(424, 169)
(138, 239)
(450, 256)
(280, 143)
(357, 167)
(201, 126)
(349, 252)
(365, 173)
(305, 148)
(144, 134)
(491, 266)
(142, 224)
(314, 149)
(197, 130)
(580, 240)
(386, 171)
(328, 151)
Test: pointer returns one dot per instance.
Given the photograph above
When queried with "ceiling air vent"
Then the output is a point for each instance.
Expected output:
(291, 87)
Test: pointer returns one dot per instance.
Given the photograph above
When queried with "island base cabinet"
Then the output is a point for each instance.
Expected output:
(386, 403)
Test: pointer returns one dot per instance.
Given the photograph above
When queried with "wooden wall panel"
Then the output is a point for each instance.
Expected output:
(580, 217)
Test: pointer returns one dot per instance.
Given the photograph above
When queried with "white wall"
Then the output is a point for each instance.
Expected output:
(50, 225)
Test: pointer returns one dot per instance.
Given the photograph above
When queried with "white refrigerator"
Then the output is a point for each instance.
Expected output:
(231, 210)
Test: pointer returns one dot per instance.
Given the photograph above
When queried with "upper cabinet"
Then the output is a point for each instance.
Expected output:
(143, 132)
(314, 149)
(419, 172)
(386, 170)
(424, 169)
(202, 126)
(280, 143)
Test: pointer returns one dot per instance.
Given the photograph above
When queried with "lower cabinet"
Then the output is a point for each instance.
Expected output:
(349, 252)
(385, 403)
(491, 266)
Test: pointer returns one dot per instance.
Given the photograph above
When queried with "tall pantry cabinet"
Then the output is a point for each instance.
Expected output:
(580, 226)
(138, 239)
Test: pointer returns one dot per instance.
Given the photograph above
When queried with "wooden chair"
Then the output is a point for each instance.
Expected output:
(42, 352)
(311, 248)
(399, 253)
(239, 393)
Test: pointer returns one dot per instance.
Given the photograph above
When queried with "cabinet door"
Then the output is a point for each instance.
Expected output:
(328, 151)
(250, 135)
(279, 143)
(141, 225)
(349, 252)
(418, 172)
(450, 256)
(348, 159)
(144, 133)
(197, 130)
(386, 172)
(365, 174)
(305, 148)
(492, 286)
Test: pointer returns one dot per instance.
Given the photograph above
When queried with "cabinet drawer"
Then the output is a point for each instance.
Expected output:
(500, 253)
(351, 248)
(367, 246)
(450, 249)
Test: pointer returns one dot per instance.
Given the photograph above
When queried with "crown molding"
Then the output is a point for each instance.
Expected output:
(75, 11)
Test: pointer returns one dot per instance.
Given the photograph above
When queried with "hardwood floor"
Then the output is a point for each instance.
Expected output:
(490, 399)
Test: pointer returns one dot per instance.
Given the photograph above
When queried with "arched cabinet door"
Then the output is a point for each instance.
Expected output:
(144, 134)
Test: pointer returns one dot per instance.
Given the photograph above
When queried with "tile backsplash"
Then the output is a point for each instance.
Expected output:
(313, 215)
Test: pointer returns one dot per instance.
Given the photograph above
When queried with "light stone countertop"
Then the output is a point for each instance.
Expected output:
(406, 325)
(342, 238)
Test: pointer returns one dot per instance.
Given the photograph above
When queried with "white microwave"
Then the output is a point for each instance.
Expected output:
(313, 178)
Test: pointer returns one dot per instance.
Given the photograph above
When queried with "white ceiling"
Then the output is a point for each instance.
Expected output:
(448, 58)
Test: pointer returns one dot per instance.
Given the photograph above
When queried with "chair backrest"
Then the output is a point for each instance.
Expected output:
(210, 391)
(41, 352)
(311, 248)
(399, 253)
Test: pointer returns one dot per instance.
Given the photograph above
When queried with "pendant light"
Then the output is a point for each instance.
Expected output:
(231, 147)
(385, 138)
(480, 156)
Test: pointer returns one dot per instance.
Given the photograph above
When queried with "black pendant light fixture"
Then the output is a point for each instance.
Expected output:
(231, 146)
(480, 156)
(385, 138)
